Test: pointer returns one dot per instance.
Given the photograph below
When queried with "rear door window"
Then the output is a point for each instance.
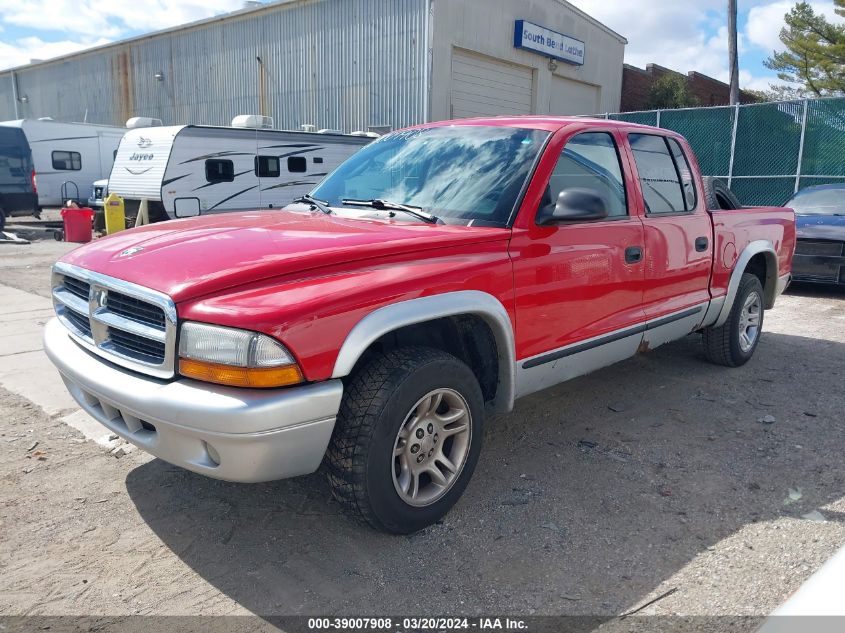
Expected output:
(660, 179)
(684, 171)
(14, 157)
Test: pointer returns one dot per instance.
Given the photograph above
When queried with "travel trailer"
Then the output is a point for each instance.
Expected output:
(188, 170)
(68, 157)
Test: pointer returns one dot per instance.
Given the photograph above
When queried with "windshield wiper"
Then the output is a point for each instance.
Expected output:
(313, 203)
(386, 205)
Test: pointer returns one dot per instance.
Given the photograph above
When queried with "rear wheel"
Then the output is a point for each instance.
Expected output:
(407, 438)
(733, 343)
(2, 220)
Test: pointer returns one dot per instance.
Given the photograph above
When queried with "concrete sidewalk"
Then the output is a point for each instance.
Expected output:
(24, 367)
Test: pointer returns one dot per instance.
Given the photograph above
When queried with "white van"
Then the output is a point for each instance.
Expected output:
(68, 157)
(188, 170)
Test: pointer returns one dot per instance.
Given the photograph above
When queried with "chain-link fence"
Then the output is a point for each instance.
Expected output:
(766, 151)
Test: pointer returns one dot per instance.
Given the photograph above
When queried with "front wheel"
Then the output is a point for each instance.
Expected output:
(733, 343)
(407, 438)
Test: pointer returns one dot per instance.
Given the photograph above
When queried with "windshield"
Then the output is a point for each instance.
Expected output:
(819, 202)
(459, 173)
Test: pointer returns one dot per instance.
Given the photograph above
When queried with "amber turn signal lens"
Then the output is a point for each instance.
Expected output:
(255, 377)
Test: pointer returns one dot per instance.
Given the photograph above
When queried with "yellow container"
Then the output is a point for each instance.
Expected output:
(115, 214)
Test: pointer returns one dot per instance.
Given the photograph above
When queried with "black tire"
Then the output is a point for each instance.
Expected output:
(722, 344)
(717, 195)
(2, 220)
(377, 401)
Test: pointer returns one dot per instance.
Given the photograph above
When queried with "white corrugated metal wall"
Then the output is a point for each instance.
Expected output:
(342, 64)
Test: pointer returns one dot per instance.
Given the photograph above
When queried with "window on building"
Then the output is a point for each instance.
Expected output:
(659, 177)
(590, 161)
(67, 161)
(297, 164)
(217, 170)
(267, 166)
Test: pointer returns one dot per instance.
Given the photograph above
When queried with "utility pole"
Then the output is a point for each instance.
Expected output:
(732, 53)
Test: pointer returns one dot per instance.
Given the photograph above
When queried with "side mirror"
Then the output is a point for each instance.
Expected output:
(575, 204)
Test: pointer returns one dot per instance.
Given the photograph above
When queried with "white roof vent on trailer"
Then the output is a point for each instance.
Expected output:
(363, 133)
(253, 121)
(307, 127)
(143, 121)
(326, 130)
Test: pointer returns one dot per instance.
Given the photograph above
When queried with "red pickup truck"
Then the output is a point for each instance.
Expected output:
(440, 273)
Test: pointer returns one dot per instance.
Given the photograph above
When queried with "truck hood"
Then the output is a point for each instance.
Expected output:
(191, 258)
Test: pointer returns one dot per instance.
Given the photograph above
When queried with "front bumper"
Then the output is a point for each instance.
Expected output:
(228, 433)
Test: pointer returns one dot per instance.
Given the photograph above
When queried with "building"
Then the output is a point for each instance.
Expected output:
(339, 64)
(637, 83)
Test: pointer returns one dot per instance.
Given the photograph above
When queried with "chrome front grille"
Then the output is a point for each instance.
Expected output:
(77, 287)
(127, 324)
(137, 310)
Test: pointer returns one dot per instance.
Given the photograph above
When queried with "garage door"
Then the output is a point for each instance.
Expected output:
(572, 97)
(482, 86)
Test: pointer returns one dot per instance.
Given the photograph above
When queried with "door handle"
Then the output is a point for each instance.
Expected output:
(701, 244)
(633, 254)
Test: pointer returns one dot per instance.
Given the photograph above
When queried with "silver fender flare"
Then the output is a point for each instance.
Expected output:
(397, 315)
(769, 288)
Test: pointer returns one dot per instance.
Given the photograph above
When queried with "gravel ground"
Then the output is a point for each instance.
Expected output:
(662, 473)
(27, 266)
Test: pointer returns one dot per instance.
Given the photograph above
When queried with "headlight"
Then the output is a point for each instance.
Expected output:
(240, 358)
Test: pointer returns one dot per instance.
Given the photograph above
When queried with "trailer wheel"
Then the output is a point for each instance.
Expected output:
(407, 438)
(717, 195)
(2, 220)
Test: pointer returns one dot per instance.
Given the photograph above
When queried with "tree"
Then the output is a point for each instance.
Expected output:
(815, 51)
(671, 91)
(780, 92)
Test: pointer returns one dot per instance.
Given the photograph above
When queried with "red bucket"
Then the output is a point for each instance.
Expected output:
(78, 224)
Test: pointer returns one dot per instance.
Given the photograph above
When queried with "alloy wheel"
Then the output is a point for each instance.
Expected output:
(431, 447)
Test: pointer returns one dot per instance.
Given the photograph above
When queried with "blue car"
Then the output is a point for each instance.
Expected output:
(820, 223)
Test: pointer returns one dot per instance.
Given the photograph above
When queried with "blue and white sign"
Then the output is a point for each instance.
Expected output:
(548, 43)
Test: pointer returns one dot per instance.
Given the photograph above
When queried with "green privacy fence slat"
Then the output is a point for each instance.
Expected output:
(768, 138)
(809, 181)
(768, 144)
(824, 138)
(763, 191)
(708, 131)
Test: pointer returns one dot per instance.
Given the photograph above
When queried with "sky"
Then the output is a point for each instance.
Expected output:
(683, 35)
(687, 35)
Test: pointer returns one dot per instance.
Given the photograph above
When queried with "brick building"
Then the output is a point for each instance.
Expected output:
(636, 85)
